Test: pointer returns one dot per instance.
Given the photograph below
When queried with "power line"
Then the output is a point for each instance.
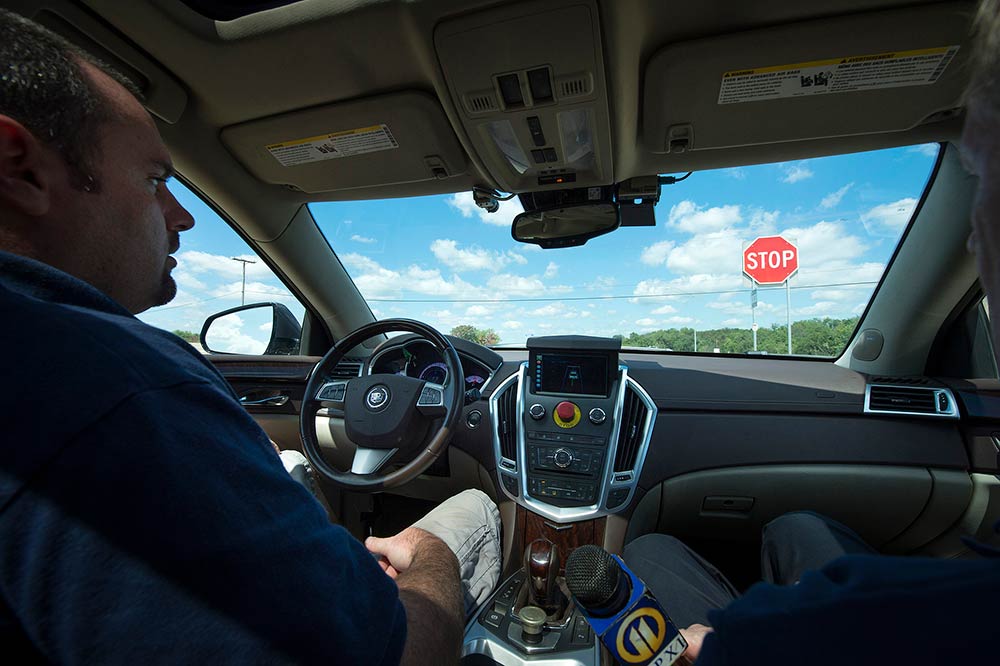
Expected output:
(551, 299)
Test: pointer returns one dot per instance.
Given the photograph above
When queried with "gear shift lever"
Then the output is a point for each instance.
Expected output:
(541, 562)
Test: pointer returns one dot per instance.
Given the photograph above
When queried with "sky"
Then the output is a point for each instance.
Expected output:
(444, 261)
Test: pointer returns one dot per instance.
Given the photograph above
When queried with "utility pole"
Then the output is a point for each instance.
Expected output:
(788, 311)
(243, 292)
(753, 312)
(696, 339)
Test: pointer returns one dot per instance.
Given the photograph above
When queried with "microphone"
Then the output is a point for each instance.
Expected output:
(621, 609)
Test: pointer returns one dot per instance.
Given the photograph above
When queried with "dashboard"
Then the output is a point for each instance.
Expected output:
(419, 359)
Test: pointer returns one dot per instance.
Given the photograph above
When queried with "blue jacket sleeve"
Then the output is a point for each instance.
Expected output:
(168, 531)
(863, 609)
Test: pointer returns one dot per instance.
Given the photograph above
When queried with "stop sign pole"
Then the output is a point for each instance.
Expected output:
(771, 260)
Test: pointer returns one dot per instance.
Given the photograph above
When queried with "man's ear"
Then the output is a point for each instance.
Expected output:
(25, 169)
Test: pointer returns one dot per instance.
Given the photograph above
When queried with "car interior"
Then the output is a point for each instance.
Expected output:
(579, 440)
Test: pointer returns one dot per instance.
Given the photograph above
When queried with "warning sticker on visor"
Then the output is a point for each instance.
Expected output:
(332, 146)
(864, 72)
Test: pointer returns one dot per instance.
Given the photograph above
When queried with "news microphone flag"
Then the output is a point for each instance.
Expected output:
(640, 633)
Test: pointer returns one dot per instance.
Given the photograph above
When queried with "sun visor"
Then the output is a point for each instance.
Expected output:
(880, 72)
(385, 140)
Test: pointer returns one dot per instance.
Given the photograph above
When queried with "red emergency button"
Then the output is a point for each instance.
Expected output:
(565, 411)
(566, 415)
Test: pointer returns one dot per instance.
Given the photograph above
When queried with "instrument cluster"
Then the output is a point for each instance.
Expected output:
(419, 359)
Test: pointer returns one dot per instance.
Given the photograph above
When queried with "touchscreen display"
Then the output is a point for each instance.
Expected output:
(578, 374)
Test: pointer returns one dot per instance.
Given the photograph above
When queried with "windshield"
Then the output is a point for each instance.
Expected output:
(679, 285)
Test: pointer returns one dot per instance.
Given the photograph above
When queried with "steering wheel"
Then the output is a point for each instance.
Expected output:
(384, 414)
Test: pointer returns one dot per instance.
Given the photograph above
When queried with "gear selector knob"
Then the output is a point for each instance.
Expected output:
(541, 562)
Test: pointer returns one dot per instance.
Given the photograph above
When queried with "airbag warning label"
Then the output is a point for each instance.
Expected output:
(864, 72)
(332, 146)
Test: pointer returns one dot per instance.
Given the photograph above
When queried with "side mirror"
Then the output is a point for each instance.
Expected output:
(257, 329)
(565, 226)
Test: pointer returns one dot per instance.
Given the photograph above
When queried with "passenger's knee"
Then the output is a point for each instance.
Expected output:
(794, 522)
(652, 546)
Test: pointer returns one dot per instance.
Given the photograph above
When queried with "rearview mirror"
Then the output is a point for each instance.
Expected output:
(256, 329)
(565, 226)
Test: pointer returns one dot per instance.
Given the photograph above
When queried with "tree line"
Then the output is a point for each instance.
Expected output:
(810, 337)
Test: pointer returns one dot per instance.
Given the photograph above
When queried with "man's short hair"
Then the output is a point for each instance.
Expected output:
(985, 81)
(43, 87)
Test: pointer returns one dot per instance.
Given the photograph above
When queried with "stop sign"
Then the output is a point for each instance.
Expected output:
(770, 260)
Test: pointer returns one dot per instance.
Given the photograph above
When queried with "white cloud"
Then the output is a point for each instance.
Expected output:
(889, 219)
(796, 172)
(666, 290)
(737, 172)
(513, 325)
(645, 321)
(691, 218)
(680, 320)
(458, 259)
(186, 280)
(926, 149)
(657, 253)
(825, 247)
(834, 294)
(820, 309)
(478, 311)
(515, 285)
(602, 282)
(255, 291)
(551, 270)
(665, 309)
(358, 238)
(715, 251)
(832, 200)
(227, 335)
(762, 222)
(222, 265)
(464, 203)
(734, 321)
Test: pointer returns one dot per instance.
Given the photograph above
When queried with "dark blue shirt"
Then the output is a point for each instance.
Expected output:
(865, 609)
(144, 516)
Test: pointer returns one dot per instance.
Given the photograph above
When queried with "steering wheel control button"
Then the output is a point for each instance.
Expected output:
(597, 416)
(378, 398)
(473, 419)
(536, 411)
(431, 397)
(567, 414)
(335, 392)
(562, 458)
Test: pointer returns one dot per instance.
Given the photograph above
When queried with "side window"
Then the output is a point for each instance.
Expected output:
(220, 279)
(966, 349)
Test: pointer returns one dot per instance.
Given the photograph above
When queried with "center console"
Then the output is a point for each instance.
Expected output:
(570, 434)
(571, 429)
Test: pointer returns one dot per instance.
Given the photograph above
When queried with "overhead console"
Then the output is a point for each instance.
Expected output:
(881, 72)
(571, 429)
(536, 113)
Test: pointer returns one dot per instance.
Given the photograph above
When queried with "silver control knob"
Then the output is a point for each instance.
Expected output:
(536, 411)
(597, 416)
(562, 458)
(532, 622)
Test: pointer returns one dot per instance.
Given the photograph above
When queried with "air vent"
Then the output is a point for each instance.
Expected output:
(910, 400)
(575, 86)
(507, 422)
(901, 380)
(634, 413)
(480, 102)
(346, 370)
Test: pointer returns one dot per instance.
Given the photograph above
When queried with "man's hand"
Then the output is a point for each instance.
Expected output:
(397, 552)
(694, 635)
(426, 572)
